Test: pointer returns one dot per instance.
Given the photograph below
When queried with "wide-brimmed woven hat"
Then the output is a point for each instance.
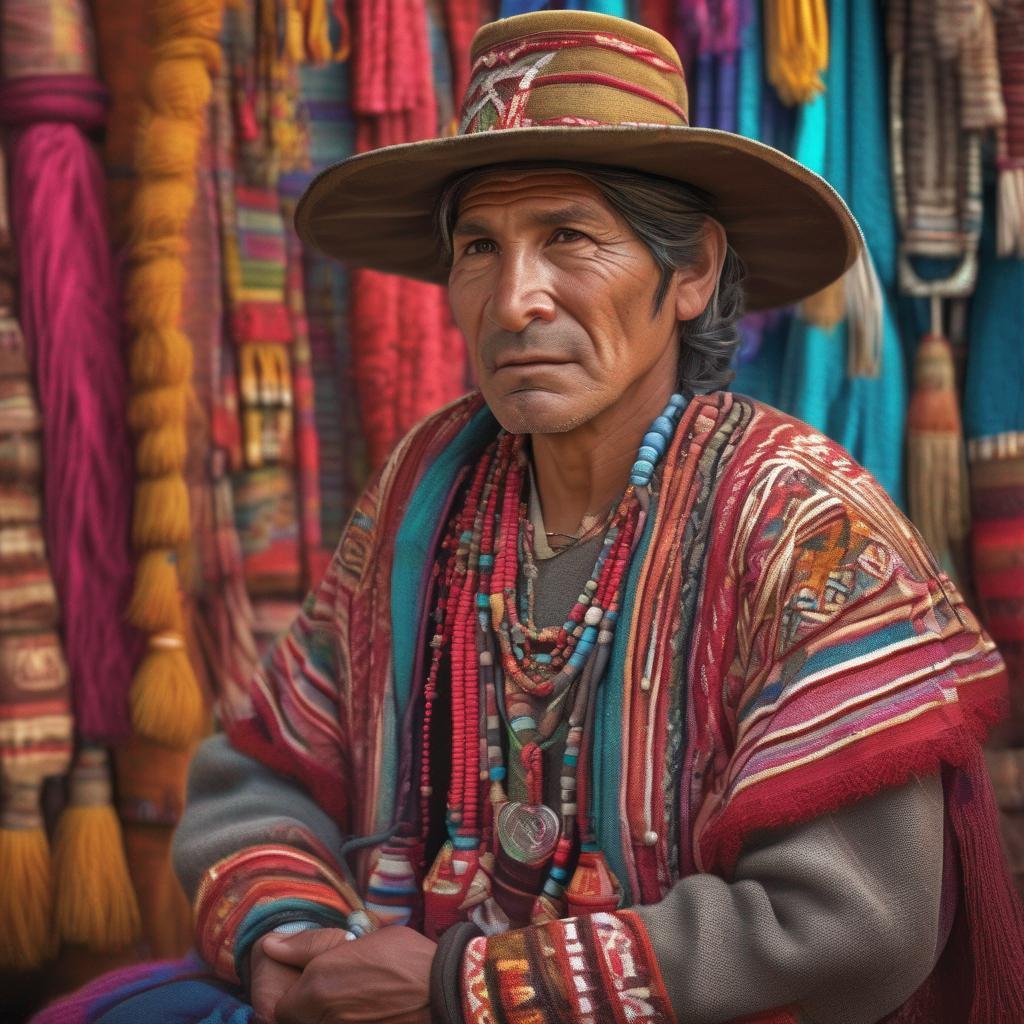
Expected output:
(592, 89)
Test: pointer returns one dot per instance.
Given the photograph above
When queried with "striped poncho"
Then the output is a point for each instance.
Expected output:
(786, 646)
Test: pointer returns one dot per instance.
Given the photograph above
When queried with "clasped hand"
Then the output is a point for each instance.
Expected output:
(320, 977)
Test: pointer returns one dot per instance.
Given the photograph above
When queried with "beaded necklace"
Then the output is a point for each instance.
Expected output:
(502, 667)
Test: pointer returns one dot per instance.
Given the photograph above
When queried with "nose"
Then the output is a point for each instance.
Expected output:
(521, 294)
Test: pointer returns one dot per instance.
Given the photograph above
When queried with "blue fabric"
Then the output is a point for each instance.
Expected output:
(994, 379)
(186, 1001)
(842, 135)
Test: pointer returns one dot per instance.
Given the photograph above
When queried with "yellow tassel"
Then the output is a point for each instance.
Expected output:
(160, 356)
(161, 207)
(146, 249)
(162, 450)
(26, 899)
(152, 295)
(796, 47)
(160, 516)
(207, 51)
(179, 88)
(191, 17)
(294, 44)
(156, 407)
(826, 308)
(94, 900)
(156, 598)
(168, 145)
(248, 374)
(167, 706)
(26, 882)
(318, 31)
(936, 458)
(252, 437)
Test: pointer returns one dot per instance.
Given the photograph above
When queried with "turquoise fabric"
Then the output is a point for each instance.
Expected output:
(994, 379)
(842, 135)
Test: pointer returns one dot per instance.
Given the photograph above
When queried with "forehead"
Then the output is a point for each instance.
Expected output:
(505, 193)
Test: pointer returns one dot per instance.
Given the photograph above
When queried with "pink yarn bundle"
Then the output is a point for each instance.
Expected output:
(68, 299)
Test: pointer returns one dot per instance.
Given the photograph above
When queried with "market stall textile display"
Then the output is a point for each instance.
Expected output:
(315, 418)
(50, 97)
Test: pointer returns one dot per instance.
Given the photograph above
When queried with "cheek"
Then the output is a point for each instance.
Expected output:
(466, 301)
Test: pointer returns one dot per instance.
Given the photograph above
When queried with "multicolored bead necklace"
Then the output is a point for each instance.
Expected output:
(508, 674)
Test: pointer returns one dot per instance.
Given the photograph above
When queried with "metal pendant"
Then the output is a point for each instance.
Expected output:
(528, 833)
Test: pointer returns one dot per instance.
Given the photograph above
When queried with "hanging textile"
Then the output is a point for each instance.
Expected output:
(255, 98)
(1010, 151)
(35, 713)
(342, 466)
(993, 415)
(944, 93)
(328, 440)
(407, 358)
(802, 366)
(69, 316)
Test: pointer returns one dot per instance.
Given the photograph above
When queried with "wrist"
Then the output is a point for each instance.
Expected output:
(446, 973)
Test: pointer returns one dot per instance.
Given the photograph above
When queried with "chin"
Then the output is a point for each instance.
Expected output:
(535, 411)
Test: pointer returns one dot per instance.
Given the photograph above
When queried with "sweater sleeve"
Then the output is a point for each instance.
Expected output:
(835, 920)
(254, 851)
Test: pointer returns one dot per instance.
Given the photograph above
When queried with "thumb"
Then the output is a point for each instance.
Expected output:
(297, 950)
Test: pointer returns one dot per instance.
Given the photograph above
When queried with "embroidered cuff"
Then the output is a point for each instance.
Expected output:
(251, 892)
(603, 961)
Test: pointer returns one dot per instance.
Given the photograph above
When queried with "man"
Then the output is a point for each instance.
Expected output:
(624, 698)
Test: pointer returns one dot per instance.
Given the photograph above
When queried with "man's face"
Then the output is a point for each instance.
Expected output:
(554, 294)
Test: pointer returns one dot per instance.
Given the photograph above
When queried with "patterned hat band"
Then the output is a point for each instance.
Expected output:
(574, 79)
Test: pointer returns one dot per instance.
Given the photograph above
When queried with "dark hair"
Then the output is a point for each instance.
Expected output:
(668, 217)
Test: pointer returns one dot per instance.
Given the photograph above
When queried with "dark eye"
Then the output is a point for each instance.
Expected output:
(567, 235)
(479, 245)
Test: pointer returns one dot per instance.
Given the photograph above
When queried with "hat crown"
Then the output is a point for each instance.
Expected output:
(571, 69)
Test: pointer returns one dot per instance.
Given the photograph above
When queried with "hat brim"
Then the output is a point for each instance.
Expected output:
(792, 230)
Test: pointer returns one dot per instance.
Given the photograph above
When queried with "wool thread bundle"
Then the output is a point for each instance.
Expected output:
(796, 48)
(35, 718)
(167, 705)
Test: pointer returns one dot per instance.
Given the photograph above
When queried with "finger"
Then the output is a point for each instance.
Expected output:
(270, 981)
(299, 949)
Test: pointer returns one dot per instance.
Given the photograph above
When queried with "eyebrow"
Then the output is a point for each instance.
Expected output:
(575, 212)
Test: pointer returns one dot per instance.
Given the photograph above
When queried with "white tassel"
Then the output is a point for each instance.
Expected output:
(1010, 213)
(864, 312)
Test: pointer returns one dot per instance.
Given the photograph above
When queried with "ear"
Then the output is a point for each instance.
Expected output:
(695, 284)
